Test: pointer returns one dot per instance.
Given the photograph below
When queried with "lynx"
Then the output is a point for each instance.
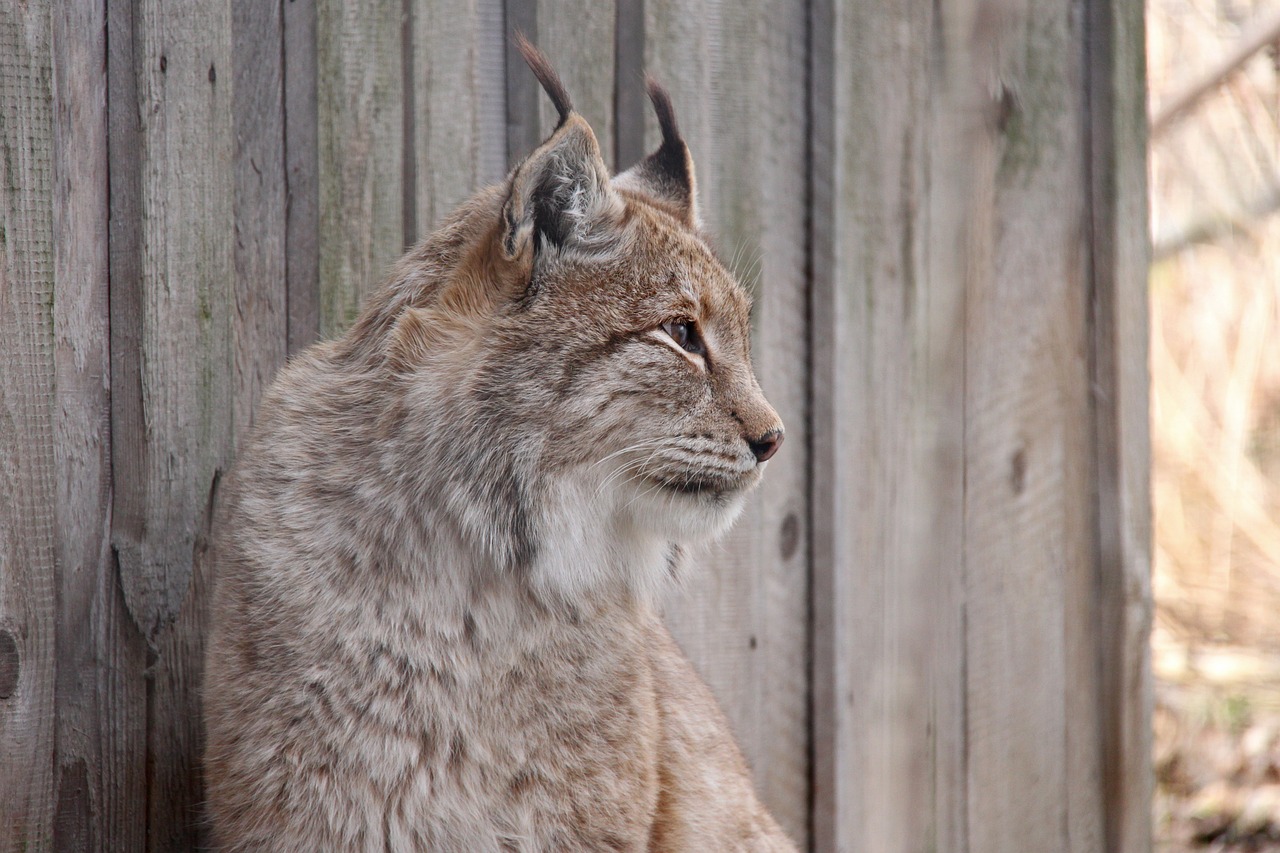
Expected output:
(441, 550)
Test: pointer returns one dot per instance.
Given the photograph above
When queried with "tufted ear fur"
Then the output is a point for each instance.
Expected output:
(666, 175)
(560, 196)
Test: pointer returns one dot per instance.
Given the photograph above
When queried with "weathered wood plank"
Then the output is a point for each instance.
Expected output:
(174, 736)
(1032, 686)
(172, 294)
(123, 700)
(260, 319)
(178, 350)
(830, 686)
(737, 76)
(122, 713)
(579, 37)
(95, 779)
(630, 103)
(302, 173)
(524, 107)
(889, 267)
(1117, 88)
(361, 138)
(459, 103)
(28, 586)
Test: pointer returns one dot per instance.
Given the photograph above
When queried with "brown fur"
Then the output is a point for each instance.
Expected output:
(434, 618)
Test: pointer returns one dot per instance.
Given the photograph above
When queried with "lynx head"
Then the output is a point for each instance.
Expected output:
(588, 358)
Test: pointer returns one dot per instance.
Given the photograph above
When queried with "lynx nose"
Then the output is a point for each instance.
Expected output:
(766, 445)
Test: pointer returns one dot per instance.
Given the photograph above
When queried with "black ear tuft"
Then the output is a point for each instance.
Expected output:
(665, 112)
(547, 76)
(666, 175)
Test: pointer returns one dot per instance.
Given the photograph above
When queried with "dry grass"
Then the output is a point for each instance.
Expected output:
(1215, 340)
(1215, 398)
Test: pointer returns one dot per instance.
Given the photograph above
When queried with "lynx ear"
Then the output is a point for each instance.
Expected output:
(560, 195)
(666, 175)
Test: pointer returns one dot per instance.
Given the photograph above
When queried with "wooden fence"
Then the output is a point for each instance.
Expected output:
(929, 630)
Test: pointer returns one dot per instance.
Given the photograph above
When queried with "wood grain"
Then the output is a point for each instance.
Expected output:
(172, 300)
(360, 143)
(1031, 749)
(459, 103)
(302, 178)
(889, 368)
(260, 320)
(523, 98)
(630, 106)
(173, 408)
(124, 695)
(98, 720)
(28, 579)
(739, 90)
(1115, 41)
(579, 36)
(958, 448)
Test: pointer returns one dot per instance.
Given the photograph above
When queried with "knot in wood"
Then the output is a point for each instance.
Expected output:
(9, 663)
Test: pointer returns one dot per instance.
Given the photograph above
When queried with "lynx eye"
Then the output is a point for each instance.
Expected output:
(686, 336)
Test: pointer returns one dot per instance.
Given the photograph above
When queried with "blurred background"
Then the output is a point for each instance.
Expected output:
(1214, 77)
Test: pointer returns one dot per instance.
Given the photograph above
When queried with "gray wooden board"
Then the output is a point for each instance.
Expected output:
(28, 586)
(360, 144)
(183, 292)
(1031, 754)
(889, 370)
(523, 100)
(578, 35)
(97, 780)
(459, 103)
(302, 256)
(958, 704)
(173, 359)
(630, 103)
(260, 321)
(123, 701)
(1116, 45)
(737, 77)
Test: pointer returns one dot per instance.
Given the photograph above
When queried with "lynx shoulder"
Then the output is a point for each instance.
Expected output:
(433, 619)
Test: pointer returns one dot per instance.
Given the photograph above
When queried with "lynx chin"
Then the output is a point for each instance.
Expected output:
(434, 623)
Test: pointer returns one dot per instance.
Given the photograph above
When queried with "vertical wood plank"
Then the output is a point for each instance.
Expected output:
(93, 778)
(737, 76)
(172, 293)
(301, 173)
(172, 302)
(28, 585)
(1031, 751)
(1120, 258)
(360, 106)
(958, 450)
(889, 267)
(524, 108)
(579, 37)
(459, 103)
(630, 103)
(122, 711)
(122, 701)
(830, 692)
(260, 320)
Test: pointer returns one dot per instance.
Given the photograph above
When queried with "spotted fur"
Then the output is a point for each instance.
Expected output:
(434, 620)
